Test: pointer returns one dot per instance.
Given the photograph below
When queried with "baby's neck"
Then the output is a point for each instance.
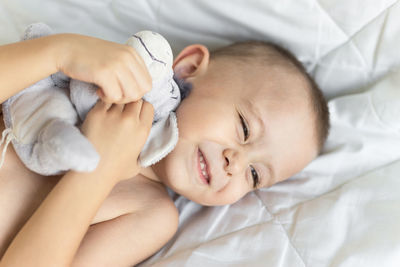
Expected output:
(149, 173)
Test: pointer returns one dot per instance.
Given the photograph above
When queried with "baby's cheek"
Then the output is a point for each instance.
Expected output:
(176, 165)
(214, 123)
(190, 120)
(230, 195)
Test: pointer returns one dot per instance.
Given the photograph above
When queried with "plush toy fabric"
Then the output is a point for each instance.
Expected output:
(42, 120)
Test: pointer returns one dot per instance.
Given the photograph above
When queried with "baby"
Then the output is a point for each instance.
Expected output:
(253, 118)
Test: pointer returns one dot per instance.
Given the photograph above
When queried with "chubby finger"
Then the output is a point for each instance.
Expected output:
(104, 98)
(111, 92)
(130, 90)
(140, 72)
(116, 107)
(143, 79)
(100, 94)
(137, 59)
(100, 105)
(147, 112)
(133, 108)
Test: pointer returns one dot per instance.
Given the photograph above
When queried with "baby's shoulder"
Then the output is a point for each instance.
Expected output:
(155, 198)
(145, 196)
(156, 209)
(144, 203)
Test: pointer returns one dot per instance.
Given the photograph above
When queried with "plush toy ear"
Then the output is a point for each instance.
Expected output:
(191, 61)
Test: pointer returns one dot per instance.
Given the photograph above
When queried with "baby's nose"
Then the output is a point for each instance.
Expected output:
(234, 161)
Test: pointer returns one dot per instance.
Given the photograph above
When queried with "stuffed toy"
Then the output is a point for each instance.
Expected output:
(42, 121)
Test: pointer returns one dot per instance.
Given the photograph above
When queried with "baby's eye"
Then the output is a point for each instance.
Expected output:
(256, 179)
(245, 129)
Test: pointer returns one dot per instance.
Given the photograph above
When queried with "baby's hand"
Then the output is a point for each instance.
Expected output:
(118, 132)
(117, 69)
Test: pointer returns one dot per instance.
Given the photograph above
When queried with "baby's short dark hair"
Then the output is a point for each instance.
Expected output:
(270, 54)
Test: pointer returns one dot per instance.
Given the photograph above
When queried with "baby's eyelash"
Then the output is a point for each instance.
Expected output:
(246, 132)
(256, 178)
(245, 128)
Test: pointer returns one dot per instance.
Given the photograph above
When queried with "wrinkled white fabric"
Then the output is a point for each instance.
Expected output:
(344, 208)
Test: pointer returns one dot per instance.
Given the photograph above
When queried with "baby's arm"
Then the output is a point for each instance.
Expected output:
(52, 235)
(115, 68)
(23, 63)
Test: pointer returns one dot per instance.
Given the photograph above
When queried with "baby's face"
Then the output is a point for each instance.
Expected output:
(238, 131)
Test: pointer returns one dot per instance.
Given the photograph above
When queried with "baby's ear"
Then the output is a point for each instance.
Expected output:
(191, 61)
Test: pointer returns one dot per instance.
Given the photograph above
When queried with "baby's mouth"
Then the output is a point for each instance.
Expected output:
(203, 168)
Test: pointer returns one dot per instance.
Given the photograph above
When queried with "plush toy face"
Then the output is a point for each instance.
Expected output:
(155, 51)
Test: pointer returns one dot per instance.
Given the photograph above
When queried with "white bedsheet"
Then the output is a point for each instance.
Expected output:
(344, 208)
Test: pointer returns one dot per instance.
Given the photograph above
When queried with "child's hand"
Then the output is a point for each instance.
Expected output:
(117, 69)
(118, 132)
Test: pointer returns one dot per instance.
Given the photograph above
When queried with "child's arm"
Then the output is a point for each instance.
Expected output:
(115, 68)
(52, 235)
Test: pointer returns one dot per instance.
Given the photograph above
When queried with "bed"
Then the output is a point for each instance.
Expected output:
(343, 209)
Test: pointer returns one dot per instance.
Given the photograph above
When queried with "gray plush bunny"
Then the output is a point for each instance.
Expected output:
(42, 120)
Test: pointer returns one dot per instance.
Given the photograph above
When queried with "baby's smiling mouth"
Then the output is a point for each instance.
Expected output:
(203, 168)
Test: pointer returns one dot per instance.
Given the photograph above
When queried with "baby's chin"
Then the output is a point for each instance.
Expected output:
(201, 198)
